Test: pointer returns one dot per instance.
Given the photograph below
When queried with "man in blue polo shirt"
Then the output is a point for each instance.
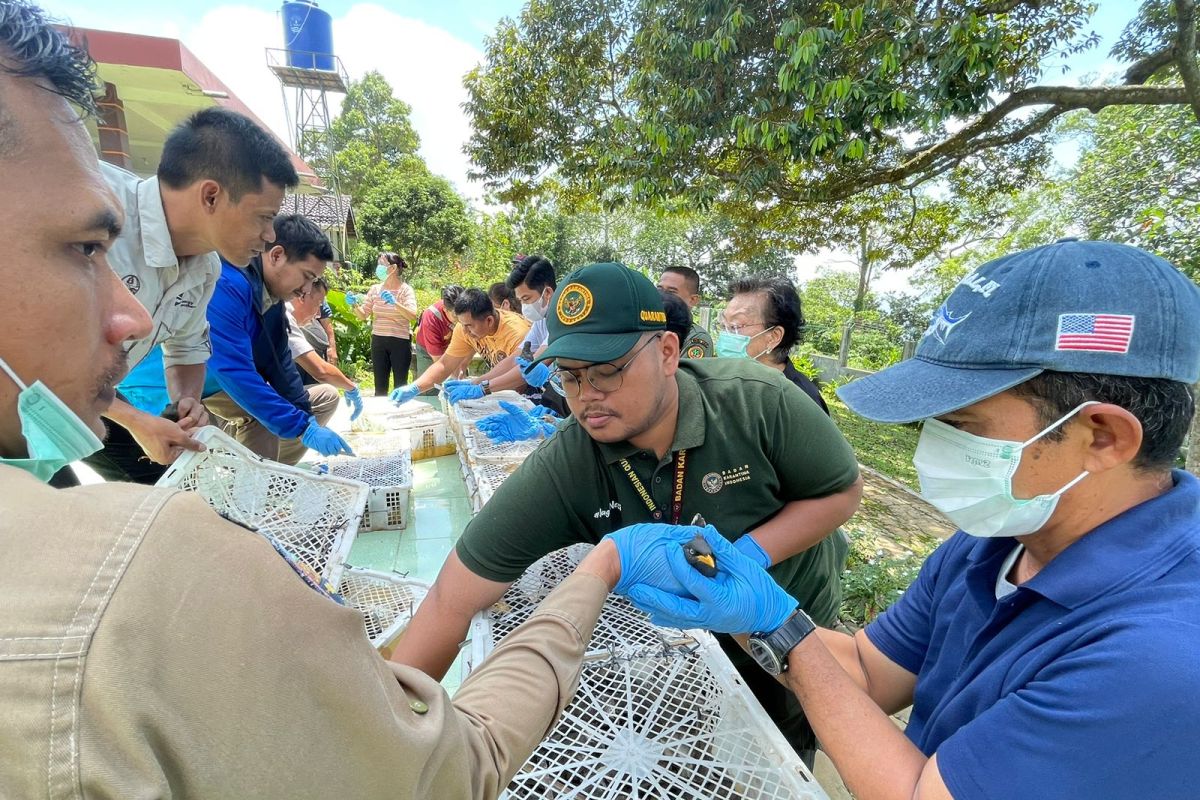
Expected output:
(1050, 648)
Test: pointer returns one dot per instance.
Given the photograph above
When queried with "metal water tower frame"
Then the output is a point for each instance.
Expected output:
(306, 103)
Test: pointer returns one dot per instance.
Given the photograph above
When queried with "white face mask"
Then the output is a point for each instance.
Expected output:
(969, 479)
(535, 312)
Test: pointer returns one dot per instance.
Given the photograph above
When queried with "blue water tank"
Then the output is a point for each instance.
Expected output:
(307, 35)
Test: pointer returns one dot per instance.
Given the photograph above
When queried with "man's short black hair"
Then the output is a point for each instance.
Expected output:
(1164, 407)
(679, 316)
(782, 309)
(536, 272)
(224, 146)
(690, 277)
(31, 47)
(300, 238)
(474, 302)
(450, 295)
(499, 292)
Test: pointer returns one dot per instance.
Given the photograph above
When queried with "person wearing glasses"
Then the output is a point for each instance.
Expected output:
(763, 321)
(654, 438)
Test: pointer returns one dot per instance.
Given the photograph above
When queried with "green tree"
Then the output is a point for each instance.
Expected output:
(418, 215)
(791, 102)
(1138, 181)
(372, 137)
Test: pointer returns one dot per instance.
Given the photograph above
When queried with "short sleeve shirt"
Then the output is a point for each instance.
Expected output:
(754, 443)
(435, 330)
(698, 344)
(505, 342)
(1082, 682)
(389, 318)
(537, 337)
(298, 343)
(175, 291)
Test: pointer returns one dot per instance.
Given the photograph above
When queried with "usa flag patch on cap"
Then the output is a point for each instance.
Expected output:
(1094, 333)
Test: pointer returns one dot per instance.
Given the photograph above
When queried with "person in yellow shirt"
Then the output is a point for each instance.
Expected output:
(494, 334)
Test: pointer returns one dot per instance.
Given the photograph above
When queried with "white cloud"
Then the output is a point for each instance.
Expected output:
(424, 64)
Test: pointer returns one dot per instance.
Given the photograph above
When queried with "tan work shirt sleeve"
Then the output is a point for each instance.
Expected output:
(216, 672)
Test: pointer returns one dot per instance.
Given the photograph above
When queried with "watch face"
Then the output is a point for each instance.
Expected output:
(765, 656)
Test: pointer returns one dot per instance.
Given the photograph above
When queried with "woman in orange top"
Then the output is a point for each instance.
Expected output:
(393, 304)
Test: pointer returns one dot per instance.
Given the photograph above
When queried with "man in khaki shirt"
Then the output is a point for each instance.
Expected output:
(149, 648)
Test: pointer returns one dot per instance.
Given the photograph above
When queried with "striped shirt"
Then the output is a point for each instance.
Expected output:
(392, 320)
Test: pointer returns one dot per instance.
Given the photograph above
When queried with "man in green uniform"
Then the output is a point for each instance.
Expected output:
(684, 283)
(657, 439)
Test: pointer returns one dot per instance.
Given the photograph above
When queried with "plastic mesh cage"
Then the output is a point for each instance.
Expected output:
(621, 630)
(314, 517)
(487, 478)
(390, 479)
(678, 726)
(378, 444)
(386, 600)
(481, 448)
(471, 411)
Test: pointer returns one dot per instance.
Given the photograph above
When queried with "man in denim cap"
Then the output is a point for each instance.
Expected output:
(1051, 647)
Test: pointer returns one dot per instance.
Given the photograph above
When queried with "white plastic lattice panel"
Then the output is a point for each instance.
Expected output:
(482, 449)
(378, 444)
(679, 726)
(621, 630)
(487, 479)
(391, 481)
(471, 411)
(386, 600)
(314, 517)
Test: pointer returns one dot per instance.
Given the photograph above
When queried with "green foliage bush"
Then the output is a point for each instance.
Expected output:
(875, 577)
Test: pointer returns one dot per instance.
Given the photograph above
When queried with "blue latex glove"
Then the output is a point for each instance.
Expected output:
(540, 412)
(387, 297)
(463, 391)
(404, 393)
(455, 382)
(535, 376)
(354, 400)
(324, 441)
(742, 598)
(751, 549)
(513, 424)
(352, 299)
(643, 551)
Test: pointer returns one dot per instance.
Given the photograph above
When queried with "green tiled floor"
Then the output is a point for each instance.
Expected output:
(439, 509)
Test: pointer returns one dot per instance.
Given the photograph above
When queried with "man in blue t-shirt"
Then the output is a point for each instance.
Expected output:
(1051, 647)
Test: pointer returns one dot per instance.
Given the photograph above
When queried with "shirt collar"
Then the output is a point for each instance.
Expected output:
(152, 218)
(690, 423)
(1134, 547)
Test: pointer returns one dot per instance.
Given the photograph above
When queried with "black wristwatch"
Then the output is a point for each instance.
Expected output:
(486, 386)
(771, 650)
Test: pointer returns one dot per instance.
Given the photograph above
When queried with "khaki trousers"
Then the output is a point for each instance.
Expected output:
(250, 432)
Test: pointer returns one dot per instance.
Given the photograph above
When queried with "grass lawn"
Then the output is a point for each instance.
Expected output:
(887, 448)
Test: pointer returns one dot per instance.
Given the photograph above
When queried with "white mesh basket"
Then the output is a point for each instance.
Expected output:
(482, 449)
(621, 630)
(487, 479)
(314, 517)
(391, 481)
(386, 600)
(471, 411)
(378, 444)
(680, 725)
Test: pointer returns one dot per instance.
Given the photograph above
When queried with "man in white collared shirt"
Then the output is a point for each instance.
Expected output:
(219, 186)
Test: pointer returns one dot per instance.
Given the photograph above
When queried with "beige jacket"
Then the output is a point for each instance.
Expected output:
(150, 649)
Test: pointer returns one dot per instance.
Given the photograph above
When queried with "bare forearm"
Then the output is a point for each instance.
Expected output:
(185, 380)
(123, 414)
(430, 643)
(803, 523)
(438, 372)
(500, 370)
(871, 754)
(508, 380)
(324, 372)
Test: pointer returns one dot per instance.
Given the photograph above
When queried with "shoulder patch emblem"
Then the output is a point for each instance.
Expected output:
(133, 283)
(574, 304)
(696, 351)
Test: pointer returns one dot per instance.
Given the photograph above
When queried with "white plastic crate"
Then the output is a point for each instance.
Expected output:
(470, 411)
(621, 630)
(386, 600)
(314, 517)
(482, 449)
(391, 482)
(681, 725)
(378, 444)
(487, 478)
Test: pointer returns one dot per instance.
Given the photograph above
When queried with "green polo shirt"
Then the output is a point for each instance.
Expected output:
(698, 343)
(754, 443)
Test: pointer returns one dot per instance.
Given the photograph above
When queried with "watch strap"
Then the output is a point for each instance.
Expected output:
(792, 632)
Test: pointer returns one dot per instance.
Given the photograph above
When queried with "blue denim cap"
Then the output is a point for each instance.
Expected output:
(1072, 306)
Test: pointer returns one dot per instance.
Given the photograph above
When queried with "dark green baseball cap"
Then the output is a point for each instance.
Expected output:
(600, 311)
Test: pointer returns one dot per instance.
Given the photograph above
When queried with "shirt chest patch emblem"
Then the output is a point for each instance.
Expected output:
(712, 482)
(133, 283)
(735, 475)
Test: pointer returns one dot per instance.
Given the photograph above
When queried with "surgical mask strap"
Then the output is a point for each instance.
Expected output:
(8, 371)
(1060, 421)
